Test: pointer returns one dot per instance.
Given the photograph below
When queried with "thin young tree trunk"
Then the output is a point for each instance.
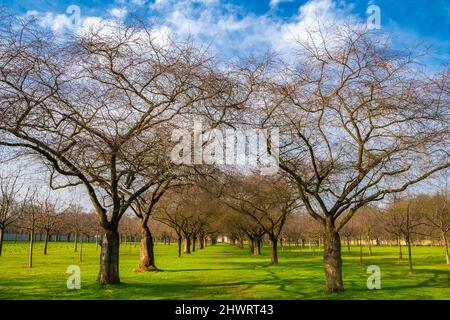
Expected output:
(370, 246)
(408, 242)
(400, 253)
(45, 242)
(444, 237)
(332, 259)
(109, 257)
(30, 260)
(75, 245)
(179, 241)
(81, 248)
(147, 256)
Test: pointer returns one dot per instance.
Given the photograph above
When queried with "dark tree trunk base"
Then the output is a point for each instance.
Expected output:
(333, 261)
(109, 258)
(147, 269)
(147, 256)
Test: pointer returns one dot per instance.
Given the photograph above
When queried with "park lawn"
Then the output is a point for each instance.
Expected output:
(221, 272)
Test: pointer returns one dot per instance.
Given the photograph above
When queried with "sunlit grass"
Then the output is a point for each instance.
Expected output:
(221, 272)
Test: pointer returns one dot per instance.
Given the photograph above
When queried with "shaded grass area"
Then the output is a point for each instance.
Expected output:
(221, 272)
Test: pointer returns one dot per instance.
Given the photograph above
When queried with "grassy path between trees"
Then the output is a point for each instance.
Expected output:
(221, 272)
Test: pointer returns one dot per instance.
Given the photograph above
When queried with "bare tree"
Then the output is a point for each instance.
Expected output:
(436, 210)
(267, 200)
(404, 218)
(49, 218)
(9, 211)
(88, 109)
(357, 122)
(30, 214)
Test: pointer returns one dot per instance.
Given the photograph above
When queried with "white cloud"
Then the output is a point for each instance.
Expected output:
(223, 27)
(119, 13)
(138, 2)
(53, 21)
(274, 3)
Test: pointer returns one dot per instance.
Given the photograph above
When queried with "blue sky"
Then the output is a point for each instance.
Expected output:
(239, 27)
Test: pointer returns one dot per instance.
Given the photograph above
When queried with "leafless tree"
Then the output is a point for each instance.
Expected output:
(358, 121)
(436, 210)
(9, 211)
(267, 200)
(89, 109)
(49, 217)
(30, 209)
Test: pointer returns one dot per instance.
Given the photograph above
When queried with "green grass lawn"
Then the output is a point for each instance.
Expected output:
(220, 272)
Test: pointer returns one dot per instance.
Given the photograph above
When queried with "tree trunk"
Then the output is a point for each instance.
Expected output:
(251, 243)
(400, 253)
(109, 257)
(179, 240)
(444, 237)
(348, 246)
(187, 245)
(194, 241)
(274, 253)
(1, 241)
(30, 259)
(257, 247)
(241, 243)
(408, 242)
(147, 256)
(332, 260)
(81, 249)
(45, 242)
(75, 245)
(369, 242)
(201, 242)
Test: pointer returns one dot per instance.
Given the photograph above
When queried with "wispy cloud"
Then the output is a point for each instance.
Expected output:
(118, 13)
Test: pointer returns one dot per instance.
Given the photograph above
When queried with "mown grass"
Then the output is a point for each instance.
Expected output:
(220, 272)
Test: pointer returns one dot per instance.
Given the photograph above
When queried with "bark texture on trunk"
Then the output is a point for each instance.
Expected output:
(187, 245)
(257, 247)
(251, 243)
(147, 256)
(333, 261)
(109, 257)
(274, 253)
(194, 242)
